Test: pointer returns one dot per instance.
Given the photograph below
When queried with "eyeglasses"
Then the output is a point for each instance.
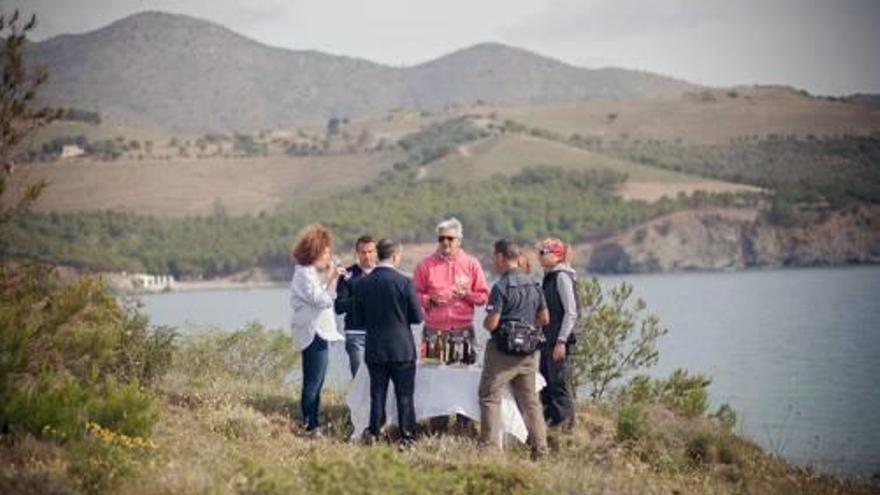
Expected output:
(445, 238)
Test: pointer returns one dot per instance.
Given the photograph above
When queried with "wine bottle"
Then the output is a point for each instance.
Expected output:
(438, 347)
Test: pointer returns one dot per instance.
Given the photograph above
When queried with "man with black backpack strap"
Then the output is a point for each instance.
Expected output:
(560, 292)
(514, 315)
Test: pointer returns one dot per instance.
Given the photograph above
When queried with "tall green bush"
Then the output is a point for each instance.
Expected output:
(70, 355)
(617, 337)
(252, 353)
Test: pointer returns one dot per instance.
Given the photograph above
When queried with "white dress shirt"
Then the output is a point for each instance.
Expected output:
(312, 306)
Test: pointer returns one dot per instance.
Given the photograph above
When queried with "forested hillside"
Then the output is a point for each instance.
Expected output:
(536, 202)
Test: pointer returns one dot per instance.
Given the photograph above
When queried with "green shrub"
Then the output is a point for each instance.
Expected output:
(641, 389)
(146, 352)
(70, 354)
(252, 353)
(102, 458)
(712, 448)
(629, 422)
(61, 408)
(681, 392)
(122, 407)
(48, 326)
(50, 407)
(685, 394)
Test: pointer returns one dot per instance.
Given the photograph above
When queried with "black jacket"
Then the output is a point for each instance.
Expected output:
(556, 307)
(344, 302)
(386, 305)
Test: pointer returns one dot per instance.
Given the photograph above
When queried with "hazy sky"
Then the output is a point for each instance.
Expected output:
(824, 46)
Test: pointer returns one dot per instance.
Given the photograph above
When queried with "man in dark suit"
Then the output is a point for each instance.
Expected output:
(386, 305)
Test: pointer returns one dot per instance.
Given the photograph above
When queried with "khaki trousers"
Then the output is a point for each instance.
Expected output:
(499, 370)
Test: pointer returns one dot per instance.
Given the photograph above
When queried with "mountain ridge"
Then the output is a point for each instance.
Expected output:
(183, 73)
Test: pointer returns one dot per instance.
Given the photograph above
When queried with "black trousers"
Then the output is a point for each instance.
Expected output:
(556, 397)
(403, 375)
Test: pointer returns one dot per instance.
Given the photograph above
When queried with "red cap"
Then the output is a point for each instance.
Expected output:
(552, 245)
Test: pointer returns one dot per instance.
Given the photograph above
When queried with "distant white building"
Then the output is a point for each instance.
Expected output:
(71, 150)
(152, 283)
(139, 282)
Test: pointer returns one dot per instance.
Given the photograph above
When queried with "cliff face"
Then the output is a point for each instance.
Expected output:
(716, 239)
(848, 236)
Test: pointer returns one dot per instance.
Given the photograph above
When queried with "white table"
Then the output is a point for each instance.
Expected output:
(439, 391)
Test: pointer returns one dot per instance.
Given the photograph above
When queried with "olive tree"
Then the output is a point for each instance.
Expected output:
(616, 337)
(20, 115)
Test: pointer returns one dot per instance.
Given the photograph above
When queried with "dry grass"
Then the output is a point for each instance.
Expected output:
(233, 437)
(651, 191)
(755, 111)
(191, 187)
(200, 457)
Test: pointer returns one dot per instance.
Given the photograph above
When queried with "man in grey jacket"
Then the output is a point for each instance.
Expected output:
(559, 291)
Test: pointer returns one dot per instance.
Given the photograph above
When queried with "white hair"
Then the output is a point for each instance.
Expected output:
(451, 224)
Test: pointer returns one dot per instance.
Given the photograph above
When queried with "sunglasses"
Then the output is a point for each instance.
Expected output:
(445, 238)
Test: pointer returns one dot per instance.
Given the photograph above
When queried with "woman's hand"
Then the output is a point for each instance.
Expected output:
(333, 277)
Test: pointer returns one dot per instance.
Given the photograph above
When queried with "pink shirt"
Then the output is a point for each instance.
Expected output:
(438, 275)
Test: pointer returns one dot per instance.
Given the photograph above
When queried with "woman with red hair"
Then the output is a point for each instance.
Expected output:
(313, 324)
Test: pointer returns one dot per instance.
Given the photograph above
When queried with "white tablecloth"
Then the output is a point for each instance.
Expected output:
(439, 391)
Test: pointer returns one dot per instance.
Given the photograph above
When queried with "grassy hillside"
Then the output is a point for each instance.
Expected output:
(217, 415)
(198, 186)
(510, 154)
(705, 117)
(180, 180)
(763, 136)
(536, 202)
(816, 169)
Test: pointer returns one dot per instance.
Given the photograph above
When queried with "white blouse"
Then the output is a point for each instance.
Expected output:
(312, 307)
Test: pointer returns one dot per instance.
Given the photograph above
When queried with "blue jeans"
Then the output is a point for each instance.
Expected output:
(314, 366)
(355, 343)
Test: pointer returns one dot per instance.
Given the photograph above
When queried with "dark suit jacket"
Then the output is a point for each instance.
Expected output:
(386, 304)
(344, 301)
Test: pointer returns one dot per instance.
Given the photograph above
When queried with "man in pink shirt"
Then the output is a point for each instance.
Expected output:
(450, 284)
